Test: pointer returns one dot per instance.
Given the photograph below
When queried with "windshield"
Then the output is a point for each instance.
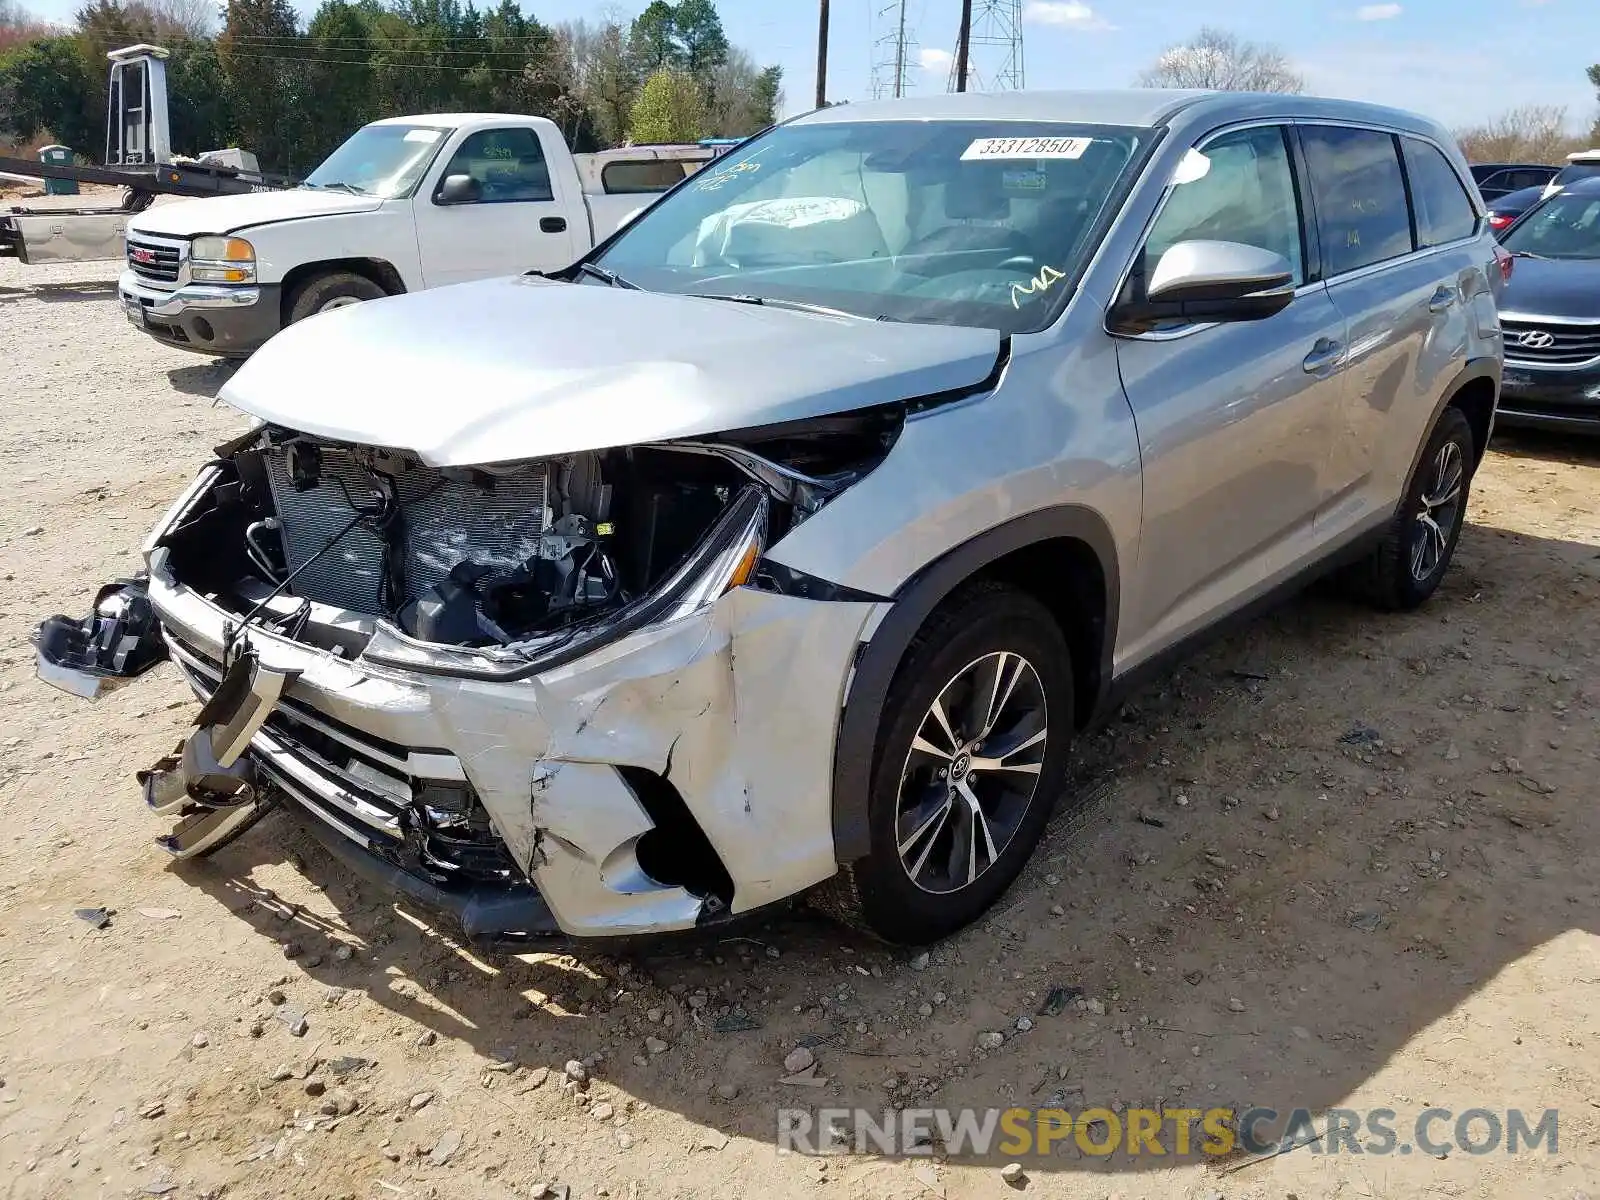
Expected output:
(980, 223)
(379, 160)
(1565, 226)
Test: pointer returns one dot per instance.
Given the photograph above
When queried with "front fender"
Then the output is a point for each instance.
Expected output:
(878, 659)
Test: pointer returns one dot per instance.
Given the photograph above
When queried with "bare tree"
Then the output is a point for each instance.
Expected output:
(603, 73)
(1531, 133)
(194, 19)
(1217, 60)
(741, 97)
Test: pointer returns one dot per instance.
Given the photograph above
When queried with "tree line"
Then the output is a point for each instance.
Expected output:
(1215, 58)
(291, 93)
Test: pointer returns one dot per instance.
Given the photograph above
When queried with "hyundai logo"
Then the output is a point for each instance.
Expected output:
(1537, 339)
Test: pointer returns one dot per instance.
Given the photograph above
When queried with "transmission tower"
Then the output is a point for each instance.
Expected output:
(995, 61)
(893, 51)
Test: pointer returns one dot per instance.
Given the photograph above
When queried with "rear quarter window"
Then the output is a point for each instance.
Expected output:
(637, 176)
(1443, 209)
(1360, 196)
(1573, 172)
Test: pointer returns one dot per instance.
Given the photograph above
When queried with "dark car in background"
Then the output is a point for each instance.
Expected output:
(1506, 209)
(1550, 313)
(1497, 179)
(1585, 164)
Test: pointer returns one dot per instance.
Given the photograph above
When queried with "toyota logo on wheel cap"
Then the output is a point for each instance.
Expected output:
(1537, 339)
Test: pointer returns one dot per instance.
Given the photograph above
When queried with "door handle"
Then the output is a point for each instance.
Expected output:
(1324, 356)
(552, 224)
(1441, 300)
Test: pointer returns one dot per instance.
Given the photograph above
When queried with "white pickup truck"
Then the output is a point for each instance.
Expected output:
(406, 203)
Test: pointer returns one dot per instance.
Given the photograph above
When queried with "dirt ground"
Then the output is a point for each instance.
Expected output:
(1338, 860)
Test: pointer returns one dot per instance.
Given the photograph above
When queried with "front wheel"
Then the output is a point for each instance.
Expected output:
(1409, 564)
(328, 291)
(972, 753)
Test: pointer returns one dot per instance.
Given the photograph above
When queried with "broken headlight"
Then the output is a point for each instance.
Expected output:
(725, 559)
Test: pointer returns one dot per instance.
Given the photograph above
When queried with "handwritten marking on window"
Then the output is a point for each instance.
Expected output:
(1046, 279)
(727, 175)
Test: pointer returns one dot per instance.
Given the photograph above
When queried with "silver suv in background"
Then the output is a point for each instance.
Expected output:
(786, 542)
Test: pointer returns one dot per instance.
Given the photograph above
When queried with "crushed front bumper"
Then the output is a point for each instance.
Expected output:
(623, 787)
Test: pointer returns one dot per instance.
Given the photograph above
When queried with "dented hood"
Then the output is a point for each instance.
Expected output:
(526, 368)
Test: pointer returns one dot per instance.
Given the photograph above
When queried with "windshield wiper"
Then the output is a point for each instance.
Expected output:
(770, 302)
(1529, 254)
(339, 186)
(610, 278)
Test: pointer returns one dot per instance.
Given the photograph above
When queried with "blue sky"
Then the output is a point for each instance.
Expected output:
(1460, 61)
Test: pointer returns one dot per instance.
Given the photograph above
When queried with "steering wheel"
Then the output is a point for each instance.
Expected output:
(959, 243)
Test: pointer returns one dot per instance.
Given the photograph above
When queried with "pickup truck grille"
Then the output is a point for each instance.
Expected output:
(153, 260)
(1551, 343)
(447, 520)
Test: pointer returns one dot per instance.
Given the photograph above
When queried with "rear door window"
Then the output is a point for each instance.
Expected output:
(1360, 192)
(1444, 210)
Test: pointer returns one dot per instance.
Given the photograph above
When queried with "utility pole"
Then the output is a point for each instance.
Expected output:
(963, 43)
(900, 55)
(822, 53)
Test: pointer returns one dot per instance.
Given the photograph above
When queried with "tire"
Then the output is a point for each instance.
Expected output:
(328, 290)
(953, 658)
(1408, 565)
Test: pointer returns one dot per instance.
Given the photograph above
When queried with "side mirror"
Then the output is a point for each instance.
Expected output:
(459, 189)
(1210, 281)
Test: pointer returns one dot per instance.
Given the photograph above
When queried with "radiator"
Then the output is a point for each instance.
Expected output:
(446, 521)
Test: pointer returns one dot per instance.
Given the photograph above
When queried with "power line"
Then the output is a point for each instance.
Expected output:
(367, 62)
(300, 38)
(379, 47)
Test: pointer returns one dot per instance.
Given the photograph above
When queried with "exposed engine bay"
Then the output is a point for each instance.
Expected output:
(317, 539)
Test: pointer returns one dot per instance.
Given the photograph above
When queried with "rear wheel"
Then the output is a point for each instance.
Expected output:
(328, 291)
(972, 753)
(1408, 565)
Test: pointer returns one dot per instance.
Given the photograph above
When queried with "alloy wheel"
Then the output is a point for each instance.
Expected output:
(971, 772)
(1437, 511)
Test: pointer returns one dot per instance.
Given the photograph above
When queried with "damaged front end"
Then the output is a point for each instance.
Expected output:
(510, 692)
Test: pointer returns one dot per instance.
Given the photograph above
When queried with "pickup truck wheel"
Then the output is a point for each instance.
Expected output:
(972, 754)
(328, 291)
(1408, 565)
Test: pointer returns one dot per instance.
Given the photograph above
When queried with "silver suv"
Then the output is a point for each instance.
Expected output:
(785, 543)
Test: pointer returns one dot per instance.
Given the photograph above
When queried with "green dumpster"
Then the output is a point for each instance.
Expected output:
(58, 156)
